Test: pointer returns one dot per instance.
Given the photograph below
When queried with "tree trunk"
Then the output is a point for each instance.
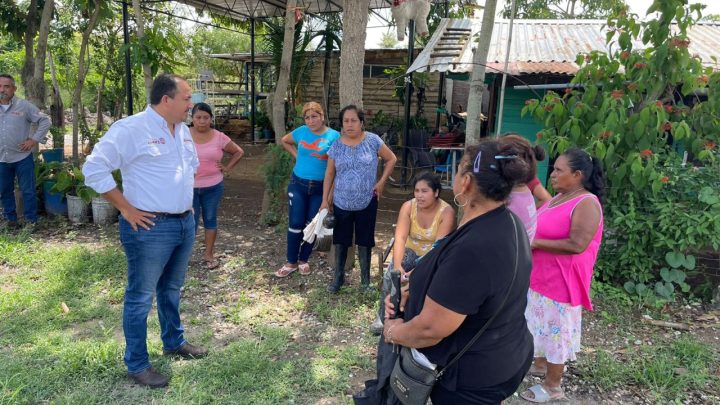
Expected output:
(28, 68)
(477, 80)
(82, 72)
(147, 73)
(57, 109)
(281, 88)
(327, 77)
(352, 55)
(98, 101)
(35, 87)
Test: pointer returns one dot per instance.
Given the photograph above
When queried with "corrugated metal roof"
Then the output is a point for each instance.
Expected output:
(538, 46)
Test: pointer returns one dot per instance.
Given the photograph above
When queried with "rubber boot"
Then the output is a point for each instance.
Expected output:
(364, 256)
(339, 277)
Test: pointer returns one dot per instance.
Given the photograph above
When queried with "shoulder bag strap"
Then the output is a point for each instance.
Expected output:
(502, 304)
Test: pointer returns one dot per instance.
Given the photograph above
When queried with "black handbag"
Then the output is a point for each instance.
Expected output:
(413, 382)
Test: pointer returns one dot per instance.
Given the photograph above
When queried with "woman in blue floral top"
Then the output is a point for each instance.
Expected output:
(351, 186)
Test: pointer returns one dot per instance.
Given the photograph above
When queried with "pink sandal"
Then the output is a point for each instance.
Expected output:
(304, 269)
(285, 271)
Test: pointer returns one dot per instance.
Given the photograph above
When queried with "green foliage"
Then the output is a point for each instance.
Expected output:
(11, 55)
(58, 136)
(276, 171)
(303, 60)
(563, 9)
(662, 291)
(398, 73)
(381, 122)
(207, 40)
(646, 235)
(635, 110)
(71, 181)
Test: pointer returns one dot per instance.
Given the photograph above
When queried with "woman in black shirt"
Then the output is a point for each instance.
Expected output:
(462, 282)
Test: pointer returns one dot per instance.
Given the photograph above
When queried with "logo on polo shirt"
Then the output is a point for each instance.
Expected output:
(156, 141)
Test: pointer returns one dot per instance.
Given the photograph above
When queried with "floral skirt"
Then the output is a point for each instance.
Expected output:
(556, 327)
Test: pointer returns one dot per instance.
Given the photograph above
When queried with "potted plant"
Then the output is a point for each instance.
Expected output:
(46, 176)
(262, 121)
(71, 182)
(58, 140)
(103, 211)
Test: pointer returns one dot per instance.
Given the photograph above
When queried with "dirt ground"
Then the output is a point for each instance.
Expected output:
(241, 235)
(240, 215)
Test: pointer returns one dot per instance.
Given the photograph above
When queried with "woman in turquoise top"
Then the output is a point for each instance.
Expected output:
(308, 144)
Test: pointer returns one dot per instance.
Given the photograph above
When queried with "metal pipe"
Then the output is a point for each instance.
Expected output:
(441, 85)
(128, 68)
(408, 99)
(252, 78)
(551, 86)
(504, 75)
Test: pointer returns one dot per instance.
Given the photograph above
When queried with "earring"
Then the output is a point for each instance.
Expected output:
(455, 200)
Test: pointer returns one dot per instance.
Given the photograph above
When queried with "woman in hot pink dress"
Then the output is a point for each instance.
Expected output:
(569, 231)
(211, 146)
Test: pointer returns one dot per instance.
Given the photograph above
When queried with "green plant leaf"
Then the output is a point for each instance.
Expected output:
(665, 274)
(689, 262)
(674, 259)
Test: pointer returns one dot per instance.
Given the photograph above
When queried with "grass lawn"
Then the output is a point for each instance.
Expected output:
(76, 357)
(272, 341)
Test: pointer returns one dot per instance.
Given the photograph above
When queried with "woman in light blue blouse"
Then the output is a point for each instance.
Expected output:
(351, 186)
(308, 144)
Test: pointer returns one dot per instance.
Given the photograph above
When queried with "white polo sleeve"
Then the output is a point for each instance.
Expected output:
(109, 154)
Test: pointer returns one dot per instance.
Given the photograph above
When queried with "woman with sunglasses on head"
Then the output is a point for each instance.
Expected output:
(308, 144)
(475, 278)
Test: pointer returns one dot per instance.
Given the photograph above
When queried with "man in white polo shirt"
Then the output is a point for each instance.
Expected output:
(156, 157)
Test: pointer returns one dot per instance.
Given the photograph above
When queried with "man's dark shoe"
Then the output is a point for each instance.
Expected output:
(150, 378)
(187, 351)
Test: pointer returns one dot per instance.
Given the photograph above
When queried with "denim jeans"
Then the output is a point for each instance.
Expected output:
(24, 170)
(207, 201)
(157, 262)
(304, 199)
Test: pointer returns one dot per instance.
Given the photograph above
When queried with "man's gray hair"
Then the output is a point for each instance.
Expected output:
(7, 76)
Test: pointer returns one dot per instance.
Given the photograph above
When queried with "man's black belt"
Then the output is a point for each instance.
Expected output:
(170, 215)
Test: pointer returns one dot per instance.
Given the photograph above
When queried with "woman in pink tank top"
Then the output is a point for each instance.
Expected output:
(569, 231)
(211, 146)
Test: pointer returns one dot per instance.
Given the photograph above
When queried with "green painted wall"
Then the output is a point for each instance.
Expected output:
(527, 126)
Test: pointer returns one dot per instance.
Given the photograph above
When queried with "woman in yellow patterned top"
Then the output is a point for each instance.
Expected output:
(421, 221)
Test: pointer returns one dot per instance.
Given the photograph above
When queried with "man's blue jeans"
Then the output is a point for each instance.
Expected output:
(304, 199)
(24, 170)
(157, 262)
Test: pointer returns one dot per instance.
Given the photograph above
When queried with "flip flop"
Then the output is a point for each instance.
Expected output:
(285, 271)
(541, 395)
(537, 372)
(304, 269)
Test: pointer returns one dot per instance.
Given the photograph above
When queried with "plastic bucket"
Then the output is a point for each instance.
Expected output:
(53, 155)
(103, 212)
(55, 203)
(78, 210)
